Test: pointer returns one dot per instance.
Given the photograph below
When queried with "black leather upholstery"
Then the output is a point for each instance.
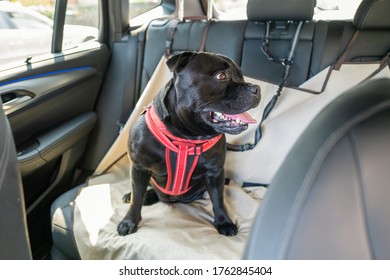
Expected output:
(331, 38)
(319, 46)
(282, 17)
(14, 242)
(64, 247)
(331, 197)
(263, 10)
(372, 14)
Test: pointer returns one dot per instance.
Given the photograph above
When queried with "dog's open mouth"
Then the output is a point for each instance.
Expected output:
(231, 123)
(233, 120)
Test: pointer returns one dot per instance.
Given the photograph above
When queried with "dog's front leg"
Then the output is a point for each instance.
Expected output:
(222, 222)
(140, 179)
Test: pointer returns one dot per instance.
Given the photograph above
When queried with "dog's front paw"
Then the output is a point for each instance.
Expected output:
(227, 228)
(126, 227)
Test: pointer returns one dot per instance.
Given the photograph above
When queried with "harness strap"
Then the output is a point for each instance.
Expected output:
(181, 155)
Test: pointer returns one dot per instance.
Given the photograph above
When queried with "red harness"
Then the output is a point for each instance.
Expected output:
(181, 155)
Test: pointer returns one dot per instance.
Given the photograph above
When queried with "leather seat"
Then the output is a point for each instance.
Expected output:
(330, 198)
(14, 241)
(64, 246)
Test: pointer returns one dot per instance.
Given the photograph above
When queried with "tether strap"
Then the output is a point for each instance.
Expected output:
(181, 155)
(287, 63)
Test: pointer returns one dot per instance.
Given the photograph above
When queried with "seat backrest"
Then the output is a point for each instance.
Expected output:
(223, 37)
(330, 198)
(372, 22)
(14, 242)
(283, 18)
(363, 39)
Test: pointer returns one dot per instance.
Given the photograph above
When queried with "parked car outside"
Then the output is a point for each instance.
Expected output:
(21, 26)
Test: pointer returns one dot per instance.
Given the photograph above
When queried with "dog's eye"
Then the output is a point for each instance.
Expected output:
(221, 76)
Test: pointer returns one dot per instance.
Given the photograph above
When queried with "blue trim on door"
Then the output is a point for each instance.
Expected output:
(46, 75)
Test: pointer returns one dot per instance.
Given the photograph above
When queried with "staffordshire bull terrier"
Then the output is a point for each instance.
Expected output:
(178, 145)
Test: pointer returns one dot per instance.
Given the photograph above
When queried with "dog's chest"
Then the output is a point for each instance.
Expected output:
(179, 171)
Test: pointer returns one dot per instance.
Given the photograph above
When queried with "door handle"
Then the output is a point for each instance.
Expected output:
(14, 98)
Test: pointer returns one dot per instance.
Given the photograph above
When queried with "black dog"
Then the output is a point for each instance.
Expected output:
(178, 145)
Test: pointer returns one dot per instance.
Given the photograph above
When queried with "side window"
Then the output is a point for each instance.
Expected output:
(26, 28)
(325, 9)
(230, 9)
(24, 20)
(336, 9)
(25, 31)
(143, 11)
(3, 22)
(81, 23)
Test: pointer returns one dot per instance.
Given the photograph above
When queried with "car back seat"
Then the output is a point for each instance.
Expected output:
(186, 37)
(341, 48)
(283, 25)
(221, 37)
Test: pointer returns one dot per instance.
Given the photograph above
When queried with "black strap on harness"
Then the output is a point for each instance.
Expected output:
(287, 63)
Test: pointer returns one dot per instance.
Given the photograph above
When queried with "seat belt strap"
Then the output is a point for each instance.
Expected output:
(171, 34)
(130, 84)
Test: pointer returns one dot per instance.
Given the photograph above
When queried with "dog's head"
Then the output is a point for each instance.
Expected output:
(209, 94)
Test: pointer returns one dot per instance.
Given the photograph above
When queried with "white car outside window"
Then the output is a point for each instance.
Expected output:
(25, 32)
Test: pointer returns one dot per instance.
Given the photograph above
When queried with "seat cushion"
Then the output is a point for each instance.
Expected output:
(166, 231)
(64, 246)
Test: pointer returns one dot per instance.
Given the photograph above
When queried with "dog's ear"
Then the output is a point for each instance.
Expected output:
(178, 61)
(160, 99)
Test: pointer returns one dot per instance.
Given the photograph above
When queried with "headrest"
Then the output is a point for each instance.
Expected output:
(372, 14)
(265, 10)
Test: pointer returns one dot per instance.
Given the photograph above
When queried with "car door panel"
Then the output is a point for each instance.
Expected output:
(41, 101)
(50, 106)
(51, 144)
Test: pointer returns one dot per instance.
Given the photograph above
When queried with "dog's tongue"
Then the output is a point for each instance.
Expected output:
(244, 117)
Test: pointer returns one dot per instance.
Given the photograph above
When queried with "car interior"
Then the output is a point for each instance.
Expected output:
(313, 186)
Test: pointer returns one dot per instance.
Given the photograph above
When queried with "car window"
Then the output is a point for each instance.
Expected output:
(26, 28)
(143, 11)
(81, 23)
(24, 20)
(325, 9)
(335, 9)
(230, 9)
(3, 22)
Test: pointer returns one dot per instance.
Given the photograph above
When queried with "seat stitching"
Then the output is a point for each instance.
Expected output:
(307, 183)
(362, 205)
